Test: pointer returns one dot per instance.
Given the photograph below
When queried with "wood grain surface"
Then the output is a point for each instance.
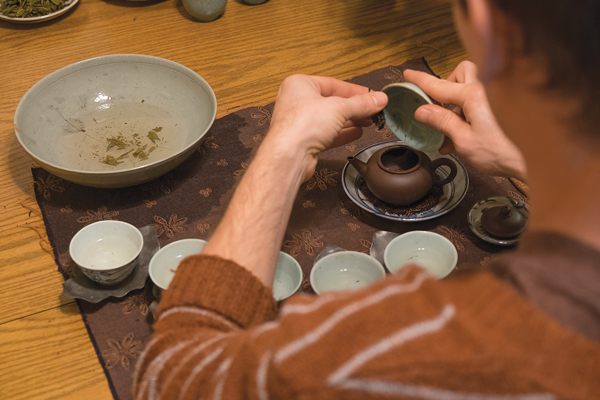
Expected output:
(45, 352)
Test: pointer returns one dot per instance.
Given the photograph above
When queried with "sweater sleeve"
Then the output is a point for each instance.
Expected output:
(407, 336)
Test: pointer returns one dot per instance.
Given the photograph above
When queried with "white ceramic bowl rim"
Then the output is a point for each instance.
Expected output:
(110, 59)
(162, 250)
(299, 268)
(428, 233)
(111, 222)
(362, 255)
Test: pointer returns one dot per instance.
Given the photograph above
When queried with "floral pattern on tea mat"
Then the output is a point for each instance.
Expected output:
(203, 228)
(205, 192)
(101, 215)
(158, 185)
(208, 143)
(353, 227)
(367, 245)
(518, 196)
(395, 75)
(386, 133)
(170, 227)
(308, 204)
(303, 240)
(242, 171)
(138, 301)
(455, 234)
(122, 352)
(322, 179)
(349, 208)
(263, 116)
(50, 184)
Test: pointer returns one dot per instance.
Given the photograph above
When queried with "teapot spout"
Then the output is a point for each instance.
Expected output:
(360, 166)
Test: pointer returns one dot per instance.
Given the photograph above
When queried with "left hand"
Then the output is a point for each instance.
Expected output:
(314, 113)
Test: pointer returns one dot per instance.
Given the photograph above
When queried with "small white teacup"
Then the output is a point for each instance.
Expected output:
(288, 277)
(429, 250)
(165, 262)
(287, 280)
(345, 270)
(107, 251)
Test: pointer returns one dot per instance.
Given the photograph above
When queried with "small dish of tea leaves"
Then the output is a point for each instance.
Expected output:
(33, 11)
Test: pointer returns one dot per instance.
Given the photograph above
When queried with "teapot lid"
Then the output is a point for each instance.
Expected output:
(404, 99)
(504, 221)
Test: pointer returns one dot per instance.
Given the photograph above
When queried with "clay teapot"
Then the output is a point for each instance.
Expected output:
(400, 175)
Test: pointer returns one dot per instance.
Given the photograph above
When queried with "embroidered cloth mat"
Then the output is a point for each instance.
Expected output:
(189, 202)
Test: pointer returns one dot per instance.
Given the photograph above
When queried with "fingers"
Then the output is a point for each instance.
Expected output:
(466, 72)
(346, 135)
(334, 87)
(443, 120)
(441, 90)
(447, 147)
(365, 123)
(362, 106)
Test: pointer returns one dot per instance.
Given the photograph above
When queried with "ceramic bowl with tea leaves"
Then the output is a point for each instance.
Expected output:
(34, 11)
(115, 121)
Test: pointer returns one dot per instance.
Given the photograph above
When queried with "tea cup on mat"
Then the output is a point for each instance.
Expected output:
(345, 270)
(428, 250)
(288, 277)
(165, 262)
(107, 251)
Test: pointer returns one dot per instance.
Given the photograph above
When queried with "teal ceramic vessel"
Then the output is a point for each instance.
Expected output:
(404, 99)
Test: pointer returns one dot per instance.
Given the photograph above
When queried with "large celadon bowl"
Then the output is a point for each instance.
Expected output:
(65, 120)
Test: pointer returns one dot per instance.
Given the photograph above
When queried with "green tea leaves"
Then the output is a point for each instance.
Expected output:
(29, 8)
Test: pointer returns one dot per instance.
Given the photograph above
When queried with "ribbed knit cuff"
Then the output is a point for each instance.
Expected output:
(221, 286)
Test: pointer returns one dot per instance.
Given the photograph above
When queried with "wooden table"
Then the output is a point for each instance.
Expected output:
(45, 351)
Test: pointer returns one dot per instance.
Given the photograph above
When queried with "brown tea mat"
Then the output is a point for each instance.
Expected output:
(521, 187)
(189, 202)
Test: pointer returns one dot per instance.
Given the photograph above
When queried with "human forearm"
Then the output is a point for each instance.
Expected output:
(253, 227)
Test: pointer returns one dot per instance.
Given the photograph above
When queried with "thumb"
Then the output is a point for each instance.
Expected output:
(364, 105)
(443, 120)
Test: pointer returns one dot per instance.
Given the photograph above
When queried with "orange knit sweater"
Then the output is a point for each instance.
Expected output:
(219, 335)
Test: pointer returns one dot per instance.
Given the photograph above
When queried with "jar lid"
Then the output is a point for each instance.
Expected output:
(404, 99)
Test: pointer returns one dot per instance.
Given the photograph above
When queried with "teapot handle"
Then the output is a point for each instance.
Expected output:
(438, 162)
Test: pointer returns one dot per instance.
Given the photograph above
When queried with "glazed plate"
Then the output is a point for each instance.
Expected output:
(68, 5)
(474, 218)
(453, 194)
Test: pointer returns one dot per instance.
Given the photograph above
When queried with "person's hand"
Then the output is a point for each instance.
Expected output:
(477, 136)
(314, 113)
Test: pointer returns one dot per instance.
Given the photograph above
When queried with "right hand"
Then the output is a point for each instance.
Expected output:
(315, 113)
(477, 137)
